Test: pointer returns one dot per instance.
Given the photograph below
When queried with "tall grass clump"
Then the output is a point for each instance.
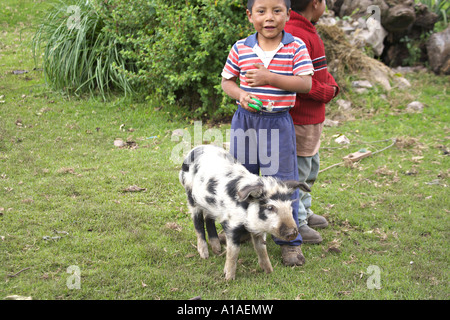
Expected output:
(78, 55)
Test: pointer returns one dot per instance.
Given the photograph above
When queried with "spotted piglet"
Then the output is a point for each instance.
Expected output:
(220, 189)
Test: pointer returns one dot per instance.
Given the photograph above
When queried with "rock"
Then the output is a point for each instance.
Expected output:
(381, 75)
(373, 36)
(394, 15)
(16, 72)
(334, 5)
(402, 83)
(330, 123)
(398, 49)
(438, 47)
(358, 8)
(119, 143)
(389, 27)
(400, 16)
(404, 70)
(342, 140)
(344, 105)
(134, 188)
(178, 133)
(361, 84)
(415, 106)
(425, 19)
(446, 67)
(361, 90)
(361, 29)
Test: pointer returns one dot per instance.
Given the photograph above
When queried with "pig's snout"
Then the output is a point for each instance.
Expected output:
(288, 233)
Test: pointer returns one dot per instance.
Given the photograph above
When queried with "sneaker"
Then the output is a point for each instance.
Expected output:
(292, 255)
(309, 235)
(315, 221)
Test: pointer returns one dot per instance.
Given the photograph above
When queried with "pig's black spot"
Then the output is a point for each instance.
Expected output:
(199, 224)
(244, 205)
(231, 188)
(183, 178)
(281, 196)
(211, 201)
(237, 233)
(190, 197)
(261, 214)
(211, 228)
(211, 186)
(196, 167)
(224, 225)
(185, 167)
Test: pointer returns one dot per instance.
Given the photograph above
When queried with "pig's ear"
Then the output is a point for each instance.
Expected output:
(254, 191)
(294, 184)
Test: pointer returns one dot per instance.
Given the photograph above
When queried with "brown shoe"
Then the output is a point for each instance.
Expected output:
(292, 255)
(309, 235)
(315, 221)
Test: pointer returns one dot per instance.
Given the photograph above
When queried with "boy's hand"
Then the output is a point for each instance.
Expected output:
(258, 77)
(245, 99)
(231, 88)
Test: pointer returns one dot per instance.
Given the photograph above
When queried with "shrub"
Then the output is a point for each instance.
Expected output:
(179, 47)
(78, 55)
(173, 51)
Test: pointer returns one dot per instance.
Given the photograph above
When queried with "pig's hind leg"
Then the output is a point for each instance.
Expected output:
(199, 226)
(212, 235)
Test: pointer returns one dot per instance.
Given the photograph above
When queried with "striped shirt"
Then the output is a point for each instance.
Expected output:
(290, 59)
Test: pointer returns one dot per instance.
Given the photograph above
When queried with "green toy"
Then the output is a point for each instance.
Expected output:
(256, 106)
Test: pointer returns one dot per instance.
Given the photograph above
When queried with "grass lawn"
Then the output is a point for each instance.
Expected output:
(64, 197)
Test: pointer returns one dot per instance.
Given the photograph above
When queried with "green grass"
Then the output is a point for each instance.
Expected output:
(59, 171)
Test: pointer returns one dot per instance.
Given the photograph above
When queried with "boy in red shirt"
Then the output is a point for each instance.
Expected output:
(308, 113)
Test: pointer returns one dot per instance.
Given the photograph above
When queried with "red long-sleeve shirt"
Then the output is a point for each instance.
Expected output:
(310, 107)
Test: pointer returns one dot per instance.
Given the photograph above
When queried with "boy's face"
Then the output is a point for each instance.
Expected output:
(269, 17)
(319, 8)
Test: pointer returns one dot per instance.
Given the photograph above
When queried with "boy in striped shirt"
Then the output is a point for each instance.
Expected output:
(272, 66)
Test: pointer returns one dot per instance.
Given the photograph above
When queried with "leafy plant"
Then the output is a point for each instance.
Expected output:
(413, 50)
(78, 55)
(181, 49)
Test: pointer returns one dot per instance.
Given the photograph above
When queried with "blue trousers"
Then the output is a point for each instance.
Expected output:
(265, 144)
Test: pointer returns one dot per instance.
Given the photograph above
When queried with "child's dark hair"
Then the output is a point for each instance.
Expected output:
(300, 5)
(251, 2)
